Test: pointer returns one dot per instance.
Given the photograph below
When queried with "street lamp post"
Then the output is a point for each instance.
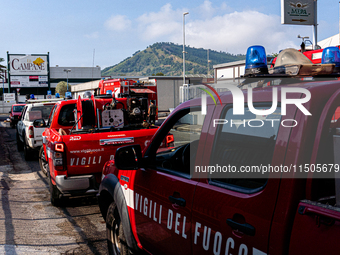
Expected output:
(185, 13)
(67, 71)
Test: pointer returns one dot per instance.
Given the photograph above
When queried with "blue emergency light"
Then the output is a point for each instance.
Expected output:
(109, 92)
(256, 60)
(331, 55)
(68, 95)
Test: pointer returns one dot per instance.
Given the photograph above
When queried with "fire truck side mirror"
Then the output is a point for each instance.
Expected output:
(128, 157)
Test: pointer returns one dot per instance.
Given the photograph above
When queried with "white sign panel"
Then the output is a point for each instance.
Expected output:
(28, 81)
(9, 97)
(297, 12)
(28, 65)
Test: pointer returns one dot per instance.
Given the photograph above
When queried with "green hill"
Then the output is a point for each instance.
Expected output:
(167, 58)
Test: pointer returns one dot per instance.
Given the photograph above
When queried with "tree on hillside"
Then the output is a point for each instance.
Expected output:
(158, 74)
(61, 88)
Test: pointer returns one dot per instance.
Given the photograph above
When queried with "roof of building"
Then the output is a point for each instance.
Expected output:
(234, 63)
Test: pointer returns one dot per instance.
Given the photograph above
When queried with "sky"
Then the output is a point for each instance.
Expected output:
(85, 33)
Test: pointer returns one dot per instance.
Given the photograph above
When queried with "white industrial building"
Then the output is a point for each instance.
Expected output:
(229, 71)
(75, 75)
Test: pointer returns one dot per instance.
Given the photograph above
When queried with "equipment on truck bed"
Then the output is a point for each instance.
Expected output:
(138, 96)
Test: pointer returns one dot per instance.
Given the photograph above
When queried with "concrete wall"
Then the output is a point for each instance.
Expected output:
(167, 90)
(80, 89)
(168, 94)
(5, 107)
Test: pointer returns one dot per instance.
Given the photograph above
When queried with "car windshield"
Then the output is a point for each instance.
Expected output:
(18, 108)
(45, 110)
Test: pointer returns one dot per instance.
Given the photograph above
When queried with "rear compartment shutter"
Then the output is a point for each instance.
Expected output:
(89, 118)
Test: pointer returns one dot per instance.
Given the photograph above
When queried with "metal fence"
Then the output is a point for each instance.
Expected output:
(187, 92)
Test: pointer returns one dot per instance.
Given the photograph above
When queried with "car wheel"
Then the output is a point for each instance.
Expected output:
(20, 145)
(27, 151)
(42, 161)
(55, 198)
(116, 241)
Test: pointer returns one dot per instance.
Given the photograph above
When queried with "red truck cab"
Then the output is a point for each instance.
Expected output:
(263, 181)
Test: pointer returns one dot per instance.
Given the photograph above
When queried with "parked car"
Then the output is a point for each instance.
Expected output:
(15, 113)
(29, 131)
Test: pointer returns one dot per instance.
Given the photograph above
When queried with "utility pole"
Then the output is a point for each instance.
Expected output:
(208, 63)
(185, 13)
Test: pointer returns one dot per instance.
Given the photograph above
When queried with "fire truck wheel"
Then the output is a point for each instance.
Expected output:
(54, 192)
(20, 145)
(42, 161)
(27, 151)
(116, 241)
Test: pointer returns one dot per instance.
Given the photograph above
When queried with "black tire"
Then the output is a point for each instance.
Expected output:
(20, 145)
(116, 241)
(42, 161)
(55, 198)
(27, 151)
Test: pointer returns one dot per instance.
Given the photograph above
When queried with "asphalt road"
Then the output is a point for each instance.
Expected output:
(29, 224)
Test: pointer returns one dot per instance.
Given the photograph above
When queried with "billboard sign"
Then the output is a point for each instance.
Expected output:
(28, 81)
(297, 12)
(28, 64)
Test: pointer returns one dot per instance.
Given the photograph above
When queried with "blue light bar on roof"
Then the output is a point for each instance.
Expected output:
(68, 95)
(256, 60)
(331, 55)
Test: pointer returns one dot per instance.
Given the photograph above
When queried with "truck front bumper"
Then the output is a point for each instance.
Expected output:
(76, 185)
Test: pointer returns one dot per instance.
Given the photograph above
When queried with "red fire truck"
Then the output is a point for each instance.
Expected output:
(313, 55)
(207, 195)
